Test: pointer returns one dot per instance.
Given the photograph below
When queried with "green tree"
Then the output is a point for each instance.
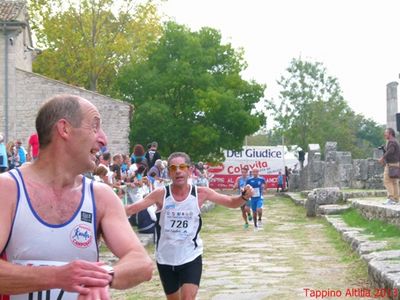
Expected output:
(85, 42)
(189, 95)
(311, 108)
(369, 135)
(256, 140)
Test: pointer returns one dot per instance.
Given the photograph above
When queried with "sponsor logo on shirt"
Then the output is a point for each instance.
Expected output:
(86, 217)
(81, 236)
(170, 206)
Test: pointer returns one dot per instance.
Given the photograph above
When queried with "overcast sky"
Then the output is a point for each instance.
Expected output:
(358, 41)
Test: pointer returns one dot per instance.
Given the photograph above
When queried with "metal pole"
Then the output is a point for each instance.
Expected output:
(283, 152)
(5, 84)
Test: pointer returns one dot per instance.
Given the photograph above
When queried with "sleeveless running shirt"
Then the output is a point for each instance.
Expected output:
(178, 226)
(33, 241)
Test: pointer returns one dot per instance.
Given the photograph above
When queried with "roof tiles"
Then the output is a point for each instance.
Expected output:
(9, 10)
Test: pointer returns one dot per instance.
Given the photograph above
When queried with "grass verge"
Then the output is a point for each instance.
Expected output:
(380, 230)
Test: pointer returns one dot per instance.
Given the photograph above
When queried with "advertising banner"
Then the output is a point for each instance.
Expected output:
(268, 159)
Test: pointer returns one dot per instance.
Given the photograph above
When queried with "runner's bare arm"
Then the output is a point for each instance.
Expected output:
(155, 197)
(225, 200)
(134, 265)
(236, 184)
(16, 279)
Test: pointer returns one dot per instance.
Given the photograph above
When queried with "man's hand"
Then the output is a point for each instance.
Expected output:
(83, 277)
(96, 293)
(247, 191)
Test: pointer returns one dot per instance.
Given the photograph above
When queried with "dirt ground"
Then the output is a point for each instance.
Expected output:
(292, 257)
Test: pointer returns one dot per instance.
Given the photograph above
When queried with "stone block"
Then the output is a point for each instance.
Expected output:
(332, 209)
(368, 247)
(330, 146)
(311, 205)
(328, 195)
(343, 157)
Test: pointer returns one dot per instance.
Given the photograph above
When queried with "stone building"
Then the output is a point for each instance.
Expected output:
(22, 91)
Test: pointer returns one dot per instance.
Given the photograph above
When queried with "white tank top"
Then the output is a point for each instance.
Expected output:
(178, 226)
(33, 241)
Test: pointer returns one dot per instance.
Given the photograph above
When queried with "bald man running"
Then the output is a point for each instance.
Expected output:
(257, 183)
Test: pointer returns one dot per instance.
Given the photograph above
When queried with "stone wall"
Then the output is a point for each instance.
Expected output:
(33, 89)
(26, 91)
(337, 170)
(372, 211)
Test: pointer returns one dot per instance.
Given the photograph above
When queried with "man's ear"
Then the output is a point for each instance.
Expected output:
(63, 128)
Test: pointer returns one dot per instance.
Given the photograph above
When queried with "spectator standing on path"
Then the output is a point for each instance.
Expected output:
(287, 175)
(257, 183)
(105, 160)
(179, 247)
(33, 147)
(138, 155)
(21, 152)
(391, 157)
(164, 173)
(155, 172)
(3, 155)
(52, 216)
(301, 158)
(100, 174)
(12, 155)
(202, 176)
(152, 155)
(135, 190)
(239, 185)
(116, 168)
(280, 182)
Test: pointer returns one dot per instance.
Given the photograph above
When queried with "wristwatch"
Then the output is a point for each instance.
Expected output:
(110, 271)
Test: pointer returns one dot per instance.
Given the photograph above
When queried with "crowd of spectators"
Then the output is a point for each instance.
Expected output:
(13, 154)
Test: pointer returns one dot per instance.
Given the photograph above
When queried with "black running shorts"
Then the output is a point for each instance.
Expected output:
(173, 277)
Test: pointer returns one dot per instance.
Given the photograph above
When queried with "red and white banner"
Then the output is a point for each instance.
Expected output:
(269, 160)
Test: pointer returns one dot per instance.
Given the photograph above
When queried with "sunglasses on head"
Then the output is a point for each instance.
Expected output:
(182, 167)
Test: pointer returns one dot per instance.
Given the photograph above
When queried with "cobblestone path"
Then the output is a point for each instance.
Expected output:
(293, 257)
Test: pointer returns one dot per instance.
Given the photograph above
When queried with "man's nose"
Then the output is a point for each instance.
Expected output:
(102, 138)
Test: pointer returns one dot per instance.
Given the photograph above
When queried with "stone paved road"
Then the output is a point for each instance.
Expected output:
(291, 254)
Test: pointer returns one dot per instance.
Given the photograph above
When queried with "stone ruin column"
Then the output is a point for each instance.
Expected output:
(391, 104)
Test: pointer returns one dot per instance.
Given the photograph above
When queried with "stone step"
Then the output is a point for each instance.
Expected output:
(332, 209)
(359, 241)
(374, 208)
(363, 194)
(297, 198)
(383, 265)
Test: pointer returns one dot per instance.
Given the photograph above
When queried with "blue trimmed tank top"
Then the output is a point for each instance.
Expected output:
(33, 241)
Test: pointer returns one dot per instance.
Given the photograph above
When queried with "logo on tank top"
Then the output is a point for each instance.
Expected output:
(170, 206)
(86, 216)
(81, 236)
